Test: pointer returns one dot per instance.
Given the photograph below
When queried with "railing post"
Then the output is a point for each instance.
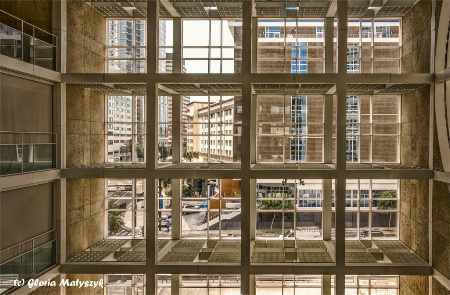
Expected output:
(33, 44)
(23, 151)
(21, 41)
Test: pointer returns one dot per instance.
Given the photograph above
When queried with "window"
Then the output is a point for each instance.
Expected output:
(126, 134)
(126, 46)
(125, 203)
(272, 32)
(352, 130)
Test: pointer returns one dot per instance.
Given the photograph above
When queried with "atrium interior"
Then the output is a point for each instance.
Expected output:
(225, 146)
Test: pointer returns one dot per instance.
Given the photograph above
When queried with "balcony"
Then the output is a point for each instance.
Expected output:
(27, 259)
(25, 42)
(22, 152)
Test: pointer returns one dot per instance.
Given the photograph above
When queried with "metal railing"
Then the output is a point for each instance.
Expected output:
(27, 259)
(23, 41)
(22, 152)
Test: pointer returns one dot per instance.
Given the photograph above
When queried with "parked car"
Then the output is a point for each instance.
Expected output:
(375, 233)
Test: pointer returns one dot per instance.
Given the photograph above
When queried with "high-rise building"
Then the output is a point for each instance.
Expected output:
(265, 147)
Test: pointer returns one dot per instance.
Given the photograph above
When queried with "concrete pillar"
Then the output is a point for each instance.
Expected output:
(176, 208)
(341, 144)
(177, 109)
(175, 284)
(326, 285)
(177, 65)
(151, 144)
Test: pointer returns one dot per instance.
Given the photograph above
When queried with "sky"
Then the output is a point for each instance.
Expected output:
(201, 33)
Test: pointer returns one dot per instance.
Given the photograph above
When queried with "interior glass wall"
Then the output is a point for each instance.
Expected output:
(212, 46)
(125, 208)
(212, 129)
(125, 128)
(211, 208)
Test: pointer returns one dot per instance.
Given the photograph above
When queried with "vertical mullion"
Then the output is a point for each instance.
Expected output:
(152, 42)
(341, 144)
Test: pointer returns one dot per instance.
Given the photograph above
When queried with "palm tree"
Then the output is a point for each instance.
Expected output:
(127, 149)
(190, 155)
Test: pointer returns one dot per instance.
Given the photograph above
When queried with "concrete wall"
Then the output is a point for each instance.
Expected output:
(413, 285)
(86, 32)
(35, 205)
(414, 130)
(85, 127)
(40, 16)
(414, 215)
(441, 228)
(22, 98)
(438, 289)
(85, 214)
(415, 151)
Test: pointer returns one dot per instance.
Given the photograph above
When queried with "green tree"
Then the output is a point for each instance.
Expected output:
(192, 186)
(115, 218)
(190, 155)
(388, 204)
(276, 205)
(164, 153)
(127, 149)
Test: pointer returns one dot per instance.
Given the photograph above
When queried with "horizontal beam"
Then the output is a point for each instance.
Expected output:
(253, 78)
(269, 268)
(441, 176)
(28, 69)
(254, 174)
(28, 179)
(442, 76)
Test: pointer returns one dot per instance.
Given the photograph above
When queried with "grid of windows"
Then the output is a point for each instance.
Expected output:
(126, 46)
(213, 129)
(125, 208)
(125, 128)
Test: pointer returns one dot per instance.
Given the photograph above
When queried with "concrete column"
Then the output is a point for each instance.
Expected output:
(252, 198)
(59, 29)
(328, 133)
(253, 114)
(151, 144)
(175, 284)
(341, 144)
(177, 109)
(252, 285)
(177, 65)
(176, 208)
(327, 187)
(254, 45)
(326, 285)
(246, 143)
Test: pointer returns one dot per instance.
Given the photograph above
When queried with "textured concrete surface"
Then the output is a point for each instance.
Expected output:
(85, 127)
(40, 16)
(85, 214)
(441, 228)
(438, 288)
(86, 31)
(414, 216)
(413, 285)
